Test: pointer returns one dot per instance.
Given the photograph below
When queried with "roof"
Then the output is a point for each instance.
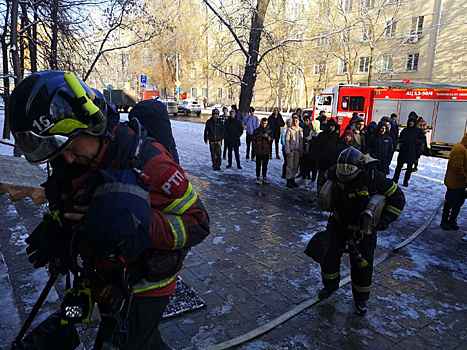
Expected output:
(417, 85)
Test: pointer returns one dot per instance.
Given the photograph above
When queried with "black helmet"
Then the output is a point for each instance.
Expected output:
(215, 111)
(349, 164)
(45, 114)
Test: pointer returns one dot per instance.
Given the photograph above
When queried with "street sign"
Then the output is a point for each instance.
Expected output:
(177, 83)
(178, 90)
(144, 79)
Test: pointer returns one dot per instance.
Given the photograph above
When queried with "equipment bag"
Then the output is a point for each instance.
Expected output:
(318, 246)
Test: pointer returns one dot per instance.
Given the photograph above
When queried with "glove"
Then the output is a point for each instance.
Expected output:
(47, 241)
(383, 224)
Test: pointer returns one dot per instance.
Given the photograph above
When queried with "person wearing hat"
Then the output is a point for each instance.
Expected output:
(380, 147)
(326, 148)
(411, 140)
(352, 121)
(214, 134)
(233, 132)
(251, 122)
(347, 140)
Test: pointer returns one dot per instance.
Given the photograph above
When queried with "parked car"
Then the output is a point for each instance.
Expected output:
(172, 107)
(190, 106)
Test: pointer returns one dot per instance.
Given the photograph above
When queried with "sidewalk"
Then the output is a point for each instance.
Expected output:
(255, 271)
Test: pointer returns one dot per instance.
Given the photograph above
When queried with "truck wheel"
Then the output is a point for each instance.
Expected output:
(175, 114)
(198, 114)
(186, 113)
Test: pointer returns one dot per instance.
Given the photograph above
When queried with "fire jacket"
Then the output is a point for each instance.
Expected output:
(178, 217)
(351, 198)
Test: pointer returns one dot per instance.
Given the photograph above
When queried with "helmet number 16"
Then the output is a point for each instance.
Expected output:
(42, 124)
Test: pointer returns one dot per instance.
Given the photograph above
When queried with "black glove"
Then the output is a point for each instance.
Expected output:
(47, 241)
(383, 224)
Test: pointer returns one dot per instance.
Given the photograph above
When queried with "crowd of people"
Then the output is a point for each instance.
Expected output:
(310, 147)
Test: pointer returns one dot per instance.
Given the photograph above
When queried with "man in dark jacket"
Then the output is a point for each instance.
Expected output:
(275, 123)
(326, 147)
(233, 132)
(223, 118)
(410, 145)
(356, 184)
(394, 128)
(214, 134)
(380, 147)
(262, 138)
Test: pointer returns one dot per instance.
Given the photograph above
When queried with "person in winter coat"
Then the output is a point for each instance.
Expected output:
(251, 122)
(237, 112)
(346, 141)
(380, 147)
(394, 128)
(352, 121)
(326, 148)
(224, 117)
(322, 119)
(304, 163)
(275, 122)
(214, 134)
(349, 199)
(410, 145)
(293, 150)
(233, 132)
(359, 132)
(370, 132)
(456, 184)
(311, 149)
(421, 124)
(288, 124)
(164, 214)
(262, 138)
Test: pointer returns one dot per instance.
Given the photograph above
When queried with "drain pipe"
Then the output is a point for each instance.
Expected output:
(440, 12)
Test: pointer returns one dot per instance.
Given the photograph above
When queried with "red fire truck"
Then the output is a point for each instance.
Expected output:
(443, 107)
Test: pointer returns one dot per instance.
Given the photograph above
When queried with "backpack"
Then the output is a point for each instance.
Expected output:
(153, 116)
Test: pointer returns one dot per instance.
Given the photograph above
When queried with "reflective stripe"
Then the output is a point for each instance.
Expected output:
(330, 276)
(340, 184)
(352, 195)
(393, 210)
(361, 289)
(178, 230)
(363, 193)
(180, 205)
(118, 187)
(391, 190)
(144, 285)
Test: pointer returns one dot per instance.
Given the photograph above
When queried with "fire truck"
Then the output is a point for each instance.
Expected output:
(443, 106)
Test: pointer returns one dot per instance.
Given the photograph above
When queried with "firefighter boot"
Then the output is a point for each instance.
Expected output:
(360, 307)
(325, 293)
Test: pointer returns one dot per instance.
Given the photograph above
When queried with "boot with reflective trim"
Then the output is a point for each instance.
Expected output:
(360, 307)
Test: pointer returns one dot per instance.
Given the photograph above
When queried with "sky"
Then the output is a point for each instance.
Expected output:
(426, 192)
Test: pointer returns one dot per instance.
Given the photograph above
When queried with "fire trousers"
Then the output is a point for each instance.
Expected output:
(330, 267)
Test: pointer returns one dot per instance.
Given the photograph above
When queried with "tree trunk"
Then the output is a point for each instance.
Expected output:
(6, 79)
(251, 65)
(54, 44)
(14, 42)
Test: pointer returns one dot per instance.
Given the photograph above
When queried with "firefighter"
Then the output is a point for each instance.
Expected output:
(356, 184)
(116, 198)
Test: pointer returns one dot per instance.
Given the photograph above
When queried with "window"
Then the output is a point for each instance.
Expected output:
(219, 93)
(390, 30)
(368, 3)
(363, 64)
(412, 62)
(204, 92)
(386, 63)
(393, 1)
(324, 8)
(180, 74)
(193, 73)
(365, 34)
(194, 93)
(220, 26)
(229, 94)
(353, 103)
(253, 97)
(417, 26)
(343, 67)
(322, 42)
(231, 69)
(218, 72)
(240, 70)
(319, 68)
(347, 5)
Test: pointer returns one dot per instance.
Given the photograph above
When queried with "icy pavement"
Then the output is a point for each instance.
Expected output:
(252, 269)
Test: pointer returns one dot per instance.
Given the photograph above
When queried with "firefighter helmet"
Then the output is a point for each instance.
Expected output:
(349, 164)
(46, 114)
